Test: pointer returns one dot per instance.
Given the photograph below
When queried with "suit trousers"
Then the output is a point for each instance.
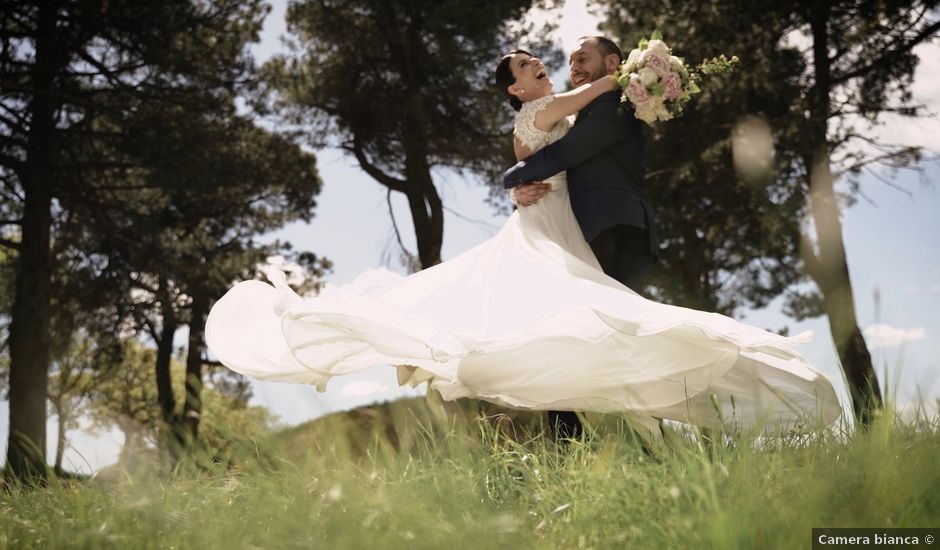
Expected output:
(624, 253)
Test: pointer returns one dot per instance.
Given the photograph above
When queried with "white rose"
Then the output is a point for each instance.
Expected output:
(630, 67)
(634, 56)
(648, 76)
(675, 63)
(647, 115)
(660, 110)
(658, 46)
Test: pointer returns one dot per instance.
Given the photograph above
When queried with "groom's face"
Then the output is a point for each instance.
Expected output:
(587, 64)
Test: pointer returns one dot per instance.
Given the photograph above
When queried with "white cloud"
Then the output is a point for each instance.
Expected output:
(362, 388)
(886, 336)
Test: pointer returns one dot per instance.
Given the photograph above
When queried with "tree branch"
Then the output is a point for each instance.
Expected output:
(151, 329)
(412, 259)
(465, 218)
(884, 158)
(14, 125)
(888, 182)
(10, 244)
(112, 75)
(12, 163)
(10, 192)
(888, 57)
(378, 175)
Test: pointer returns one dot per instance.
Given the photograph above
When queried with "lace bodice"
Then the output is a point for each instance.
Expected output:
(525, 129)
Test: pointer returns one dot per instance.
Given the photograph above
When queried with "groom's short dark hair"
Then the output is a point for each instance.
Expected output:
(606, 46)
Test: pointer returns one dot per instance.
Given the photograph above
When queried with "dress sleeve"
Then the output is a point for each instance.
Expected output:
(525, 129)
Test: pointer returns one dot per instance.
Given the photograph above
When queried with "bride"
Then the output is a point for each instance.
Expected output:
(527, 319)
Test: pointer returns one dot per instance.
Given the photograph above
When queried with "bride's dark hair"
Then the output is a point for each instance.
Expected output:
(505, 79)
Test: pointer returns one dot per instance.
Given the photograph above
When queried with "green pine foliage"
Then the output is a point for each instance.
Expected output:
(406, 88)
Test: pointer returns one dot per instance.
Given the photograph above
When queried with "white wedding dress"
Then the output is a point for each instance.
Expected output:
(526, 319)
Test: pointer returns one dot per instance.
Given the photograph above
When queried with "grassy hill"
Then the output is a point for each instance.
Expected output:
(399, 426)
(406, 475)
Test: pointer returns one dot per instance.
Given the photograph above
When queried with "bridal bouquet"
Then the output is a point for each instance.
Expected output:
(659, 84)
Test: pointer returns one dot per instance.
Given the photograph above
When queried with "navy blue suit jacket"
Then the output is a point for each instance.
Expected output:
(604, 155)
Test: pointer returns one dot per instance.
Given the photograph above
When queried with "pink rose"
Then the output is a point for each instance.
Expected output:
(656, 61)
(672, 85)
(636, 91)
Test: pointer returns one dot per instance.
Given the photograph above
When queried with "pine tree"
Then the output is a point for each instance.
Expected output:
(405, 87)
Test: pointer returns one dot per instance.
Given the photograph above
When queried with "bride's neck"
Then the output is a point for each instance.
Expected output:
(540, 96)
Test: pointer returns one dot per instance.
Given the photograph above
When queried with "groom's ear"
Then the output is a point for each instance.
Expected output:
(611, 62)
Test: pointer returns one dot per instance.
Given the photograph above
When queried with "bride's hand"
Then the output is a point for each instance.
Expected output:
(528, 194)
(611, 82)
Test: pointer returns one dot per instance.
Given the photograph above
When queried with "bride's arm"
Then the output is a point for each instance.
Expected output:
(569, 103)
(521, 150)
(530, 193)
(600, 129)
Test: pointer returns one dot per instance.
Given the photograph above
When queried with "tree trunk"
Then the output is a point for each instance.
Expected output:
(132, 449)
(29, 327)
(164, 359)
(427, 210)
(427, 214)
(170, 431)
(60, 440)
(192, 408)
(699, 295)
(830, 270)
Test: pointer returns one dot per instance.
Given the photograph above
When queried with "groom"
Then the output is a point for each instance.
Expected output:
(604, 155)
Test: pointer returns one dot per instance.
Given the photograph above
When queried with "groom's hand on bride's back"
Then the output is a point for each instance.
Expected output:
(530, 193)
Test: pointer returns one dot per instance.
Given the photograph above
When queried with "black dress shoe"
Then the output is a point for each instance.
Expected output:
(565, 425)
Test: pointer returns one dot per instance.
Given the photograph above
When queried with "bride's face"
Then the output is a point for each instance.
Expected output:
(532, 80)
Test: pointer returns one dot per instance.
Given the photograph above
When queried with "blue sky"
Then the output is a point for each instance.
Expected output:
(893, 245)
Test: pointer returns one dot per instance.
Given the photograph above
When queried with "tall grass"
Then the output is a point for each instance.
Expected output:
(406, 475)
